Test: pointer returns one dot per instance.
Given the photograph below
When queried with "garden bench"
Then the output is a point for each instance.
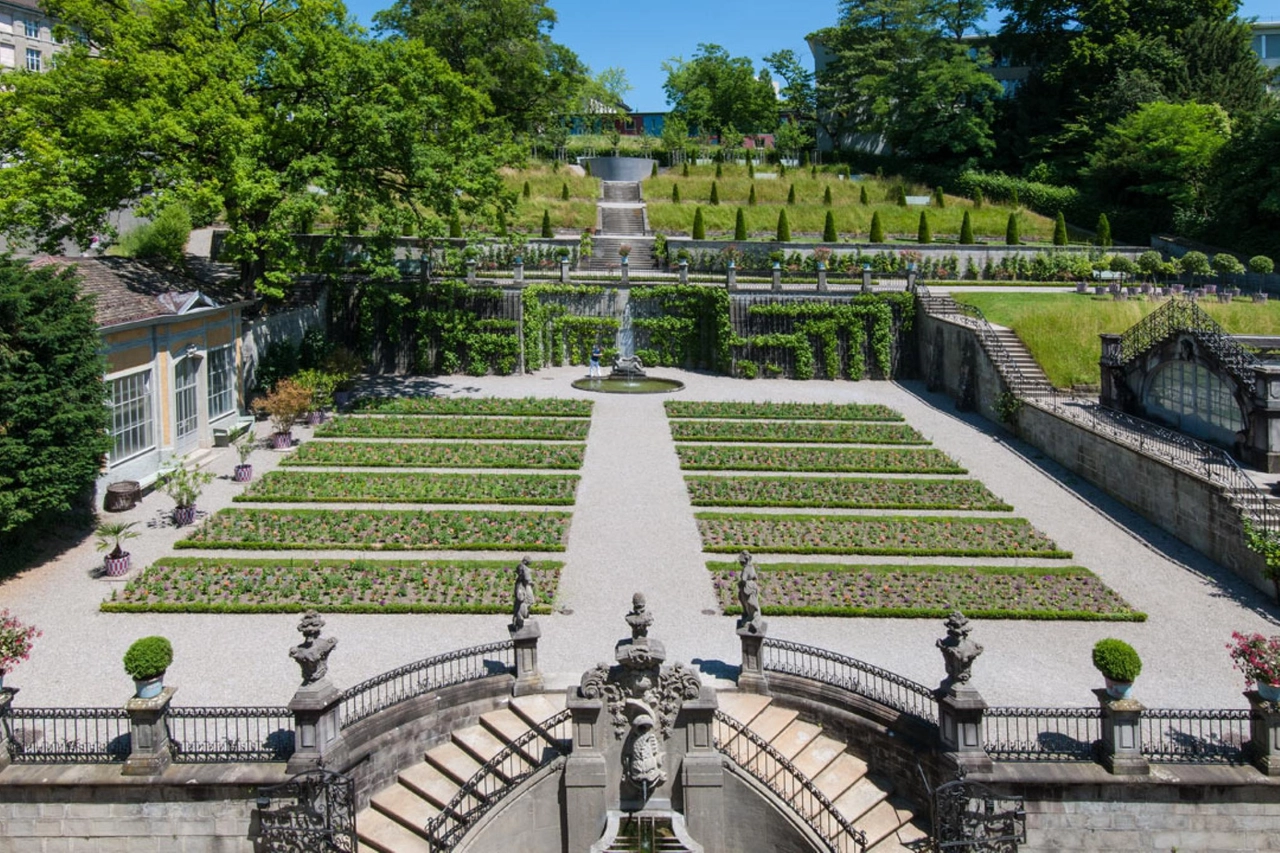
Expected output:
(224, 435)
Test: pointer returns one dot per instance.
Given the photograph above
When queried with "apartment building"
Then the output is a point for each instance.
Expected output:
(26, 36)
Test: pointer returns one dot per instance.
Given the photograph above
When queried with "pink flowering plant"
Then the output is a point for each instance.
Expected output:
(15, 640)
(1258, 657)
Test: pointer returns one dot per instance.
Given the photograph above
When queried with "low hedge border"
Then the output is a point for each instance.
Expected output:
(980, 498)
(555, 407)
(782, 411)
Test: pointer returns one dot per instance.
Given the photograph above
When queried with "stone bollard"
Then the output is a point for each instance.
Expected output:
(1264, 733)
(1122, 735)
(519, 271)
(960, 705)
(731, 276)
(866, 279)
(471, 272)
(684, 272)
(149, 752)
(777, 277)
(317, 702)
(564, 270)
(6, 699)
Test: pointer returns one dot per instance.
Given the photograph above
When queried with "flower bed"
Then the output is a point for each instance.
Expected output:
(354, 486)
(390, 530)
(852, 432)
(396, 426)
(512, 407)
(842, 492)
(782, 411)
(219, 585)
(747, 457)
(988, 592)
(423, 455)
(888, 534)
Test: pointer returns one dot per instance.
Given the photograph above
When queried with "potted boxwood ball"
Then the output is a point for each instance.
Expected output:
(146, 662)
(1119, 665)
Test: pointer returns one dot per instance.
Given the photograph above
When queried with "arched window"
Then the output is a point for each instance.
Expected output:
(1191, 398)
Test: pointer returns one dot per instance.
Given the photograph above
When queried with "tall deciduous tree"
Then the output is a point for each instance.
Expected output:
(715, 92)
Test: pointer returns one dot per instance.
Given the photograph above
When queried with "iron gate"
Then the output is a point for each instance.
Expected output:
(320, 816)
(968, 816)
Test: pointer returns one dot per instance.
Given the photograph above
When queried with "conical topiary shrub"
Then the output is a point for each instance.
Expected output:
(751, 167)
(877, 230)
(978, 198)
(740, 226)
(826, 196)
(675, 193)
(699, 227)
(653, 173)
(966, 229)
(1011, 236)
(1104, 231)
(715, 192)
(829, 229)
(455, 227)
(862, 197)
(751, 199)
(586, 167)
(804, 159)
(684, 173)
(900, 196)
(546, 224)
(564, 192)
(784, 227)
(938, 199)
(924, 234)
(719, 170)
(791, 195)
(1060, 230)
(526, 192)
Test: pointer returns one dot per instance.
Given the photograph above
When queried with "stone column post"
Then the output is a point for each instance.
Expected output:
(564, 270)
(1122, 735)
(866, 279)
(626, 271)
(586, 775)
(6, 700)
(911, 278)
(777, 277)
(528, 676)
(752, 678)
(684, 272)
(822, 278)
(1264, 733)
(471, 271)
(731, 276)
(960, 705)
(518, 271)
(317, 703)
(702, 772)
(149, 751)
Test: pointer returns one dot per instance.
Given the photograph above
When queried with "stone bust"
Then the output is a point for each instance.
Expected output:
(522, 595)
(312, 654)
(639, 618)
(958, 651)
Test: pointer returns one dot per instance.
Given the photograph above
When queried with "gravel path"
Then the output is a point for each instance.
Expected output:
(633, 530)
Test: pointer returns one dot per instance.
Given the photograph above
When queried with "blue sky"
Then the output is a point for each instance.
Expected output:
(639, 37)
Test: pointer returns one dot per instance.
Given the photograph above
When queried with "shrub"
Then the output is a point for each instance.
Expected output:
(791, 195)
(740, 226)
(586, 167)
(715, 192)
(15, 640)
(455, 227)
(684, 173)
(826, 196)
(526, 191)
(1121, 264)
(675, 193)
(977, 197)
(966, 229)
(784, 227)
(1011, 236)
(185, 484)
(163, 238)
(1149, 262)
(148, 658)
(747, 369)
(1044, 198)
(699, 227)
(1261, 264)
(1060, 230)
(1116, 660)
(285, 404)
(751, 199)
(546, 223)
(719, 170)
(829, 234)
(1195, 263)
(924, 234)
(804, 159)
(1226, 263)
(900, 196)
(653, 173)
(862, 196)
(1103, 235)
(877, 229)
(938, 199)
(564, 192)
(751, 167)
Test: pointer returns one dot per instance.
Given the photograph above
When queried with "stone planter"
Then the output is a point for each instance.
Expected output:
(183, 516)
(1082, 287)
(148, 688)
(1259, 297)
(282, 440)
(315, 418)
(242, 473)
(114, 567)
(1118, 689)
(1100, 290)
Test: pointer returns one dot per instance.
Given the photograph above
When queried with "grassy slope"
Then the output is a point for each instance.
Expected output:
(1061, 329)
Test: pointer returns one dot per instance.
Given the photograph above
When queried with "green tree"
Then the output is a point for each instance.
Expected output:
(977, 198)
(1225, 263)
(740, 225)
(715, 193)
(675, 136)
(799, 98)
(924, 234)
(1195, 263)
(1059, 230)
(751, 199)
(53, 421)
(564, 192)
(684, 173)
(546, 224)
(719, 170)
(1149, 262)
(1262, 265)
(455, 227)
(862, 196)
(829, 234)
(715, 92)
(675, 193)
(1102, 233)
(1011, 236)
(164, 238)
(526, 192)
(784, 227)
(791, 194)
(966, 230)
(877, 230)
(939, 200)
(790, 138)
(699, 227)
(826, 196)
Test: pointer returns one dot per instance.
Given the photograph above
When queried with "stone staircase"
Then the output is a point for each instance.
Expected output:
(621, 192)
(1029, 380)
(604, 254)
(866, 800)
(626, 221)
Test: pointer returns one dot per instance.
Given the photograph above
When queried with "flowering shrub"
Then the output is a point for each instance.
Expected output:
(1258, 657)
(15, 640)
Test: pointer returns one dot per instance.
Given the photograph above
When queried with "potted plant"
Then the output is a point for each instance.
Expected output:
(15, 642)
(285, 404)
(245, 445)
(110, 534)
(1119, 664)
(1258, 657)
(184, 485)
(624, 250)
(321, 384)
(146, 662)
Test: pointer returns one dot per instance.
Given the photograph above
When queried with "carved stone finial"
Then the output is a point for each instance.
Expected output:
(958, 651)
(639, 618)
(312, 654)
(749, 595)
(522, 595)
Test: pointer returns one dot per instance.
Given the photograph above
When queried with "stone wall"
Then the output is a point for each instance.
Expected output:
(260, 333)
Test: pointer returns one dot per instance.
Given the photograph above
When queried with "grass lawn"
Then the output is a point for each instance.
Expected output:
(1061, 329)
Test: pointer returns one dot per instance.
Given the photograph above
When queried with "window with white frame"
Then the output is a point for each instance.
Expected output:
(186, 379)
(33, 29)
(132, 428)
(8, 57)
(222, 381)
(33, 59)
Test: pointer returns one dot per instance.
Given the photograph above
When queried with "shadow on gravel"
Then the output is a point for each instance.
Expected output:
(1224, 582)
(411, 386)
(38, 544)
(717, 669)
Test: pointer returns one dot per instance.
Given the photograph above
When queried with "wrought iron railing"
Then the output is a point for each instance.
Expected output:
(544, 744)
(1038, 734)
(757, 757)
(871, 682)
(415, 679)
(230, 734)
(67, 735)
(1196, 736)
(1183, 315)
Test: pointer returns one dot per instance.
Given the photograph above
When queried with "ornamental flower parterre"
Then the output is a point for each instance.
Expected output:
(749, 457)
(384, 454)
(1258, 657)
(407, 426)
(15, 640)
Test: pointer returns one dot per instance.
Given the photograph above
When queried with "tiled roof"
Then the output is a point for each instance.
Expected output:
(25, 4)
(127, 290)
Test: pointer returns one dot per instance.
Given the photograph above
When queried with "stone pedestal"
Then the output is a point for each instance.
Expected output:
(866, 280)
(752, 679)
(822, 279)
(731, 277)
(528, 676)
(702, 773)
(684, 272)
(625, 268)
(6, 699)
(911, 280)
(1264, 733)
(586, 775)
(564, 271)
(960, 709)
(148, 734)
(1122, 735)
(316, 724)
(471, 272)
(777, 279)
(518, 272)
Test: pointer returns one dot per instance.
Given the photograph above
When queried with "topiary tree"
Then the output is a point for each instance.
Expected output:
(804, 159)
(826, 196)
(751, 199)
(1225, 263)
(740, 226)
(784, 227)
(715, 192)
(1103, 231)
(924, 234)
(719, 170)
(1261, 264)
(977, 198)
(782, 169)
(862, 196)
(526, 192)
(455, 227)
(546, 223)
(829, 234)
(699, 227)
(1116, 660)
(791, 195)
(1059, 230)
(900, 195)
(966, 229)
(586, 167)
(751, 167)
(1123, 265)
(1011, 236)
(813, 172)
(675, 193)
(53, 421)
(938, 199)
(564, 192)
(684, 173)
(1149, 262)
(1195, 263)
(877, 230)
(653, 173)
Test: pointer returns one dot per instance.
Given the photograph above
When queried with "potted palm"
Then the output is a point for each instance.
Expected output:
(245, 446)
(146, 662)
(1119, 664)
(110, 534)
(184, 485)
(15, 642)
(1258, 657)
(286, 404)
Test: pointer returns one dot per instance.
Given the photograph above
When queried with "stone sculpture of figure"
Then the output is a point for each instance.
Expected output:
(522, 596)
(748, 593)
(643, 759)
(639, 618)
(958, 651)
(313, 653)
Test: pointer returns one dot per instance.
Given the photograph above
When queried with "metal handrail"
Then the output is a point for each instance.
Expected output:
(415, 679)
(1183, 315)
(231, 734)
(1060, 734)
(1197, 736)
(871, 682)
(764, 763)
(495, 779)
(74, 735)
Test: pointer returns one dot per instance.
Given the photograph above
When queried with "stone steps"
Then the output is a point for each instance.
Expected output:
(620, 191)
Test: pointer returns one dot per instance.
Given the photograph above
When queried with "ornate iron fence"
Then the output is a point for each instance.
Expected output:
(756, 756)
(871, 682)
(415, 679)
(230, 734)
(320, 819)
(1039, 734)
(544, 744)
(1196, 736)
(67, 735)
(967, 816)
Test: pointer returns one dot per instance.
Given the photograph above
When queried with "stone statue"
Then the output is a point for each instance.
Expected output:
(639, 618)
(313, 653)
(522, 595)
(642, 756)
(749, 594)
(958, 651)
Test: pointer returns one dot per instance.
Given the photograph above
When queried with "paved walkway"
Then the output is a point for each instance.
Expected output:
(633, 530)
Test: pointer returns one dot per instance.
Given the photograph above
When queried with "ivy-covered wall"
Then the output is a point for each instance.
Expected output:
(563, 321)
(682, 326)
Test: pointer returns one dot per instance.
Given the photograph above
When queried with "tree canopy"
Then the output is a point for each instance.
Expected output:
(714, 92)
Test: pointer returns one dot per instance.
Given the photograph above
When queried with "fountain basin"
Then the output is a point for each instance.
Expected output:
(628, 385)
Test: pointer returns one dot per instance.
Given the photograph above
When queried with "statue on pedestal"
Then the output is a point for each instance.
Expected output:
(522, 595)
(312, 654)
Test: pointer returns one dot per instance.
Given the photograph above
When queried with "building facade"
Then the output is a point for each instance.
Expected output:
(27, 41)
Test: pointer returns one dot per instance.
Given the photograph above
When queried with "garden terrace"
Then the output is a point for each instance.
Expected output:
(814, 432)
(395, 426)
(385, 454)
(763, 457)
(401, 530)
(988, 592)
(781, 411)
(475, 406)
(399, 487)
(883, 535)
(843, 492)
(274, 585)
